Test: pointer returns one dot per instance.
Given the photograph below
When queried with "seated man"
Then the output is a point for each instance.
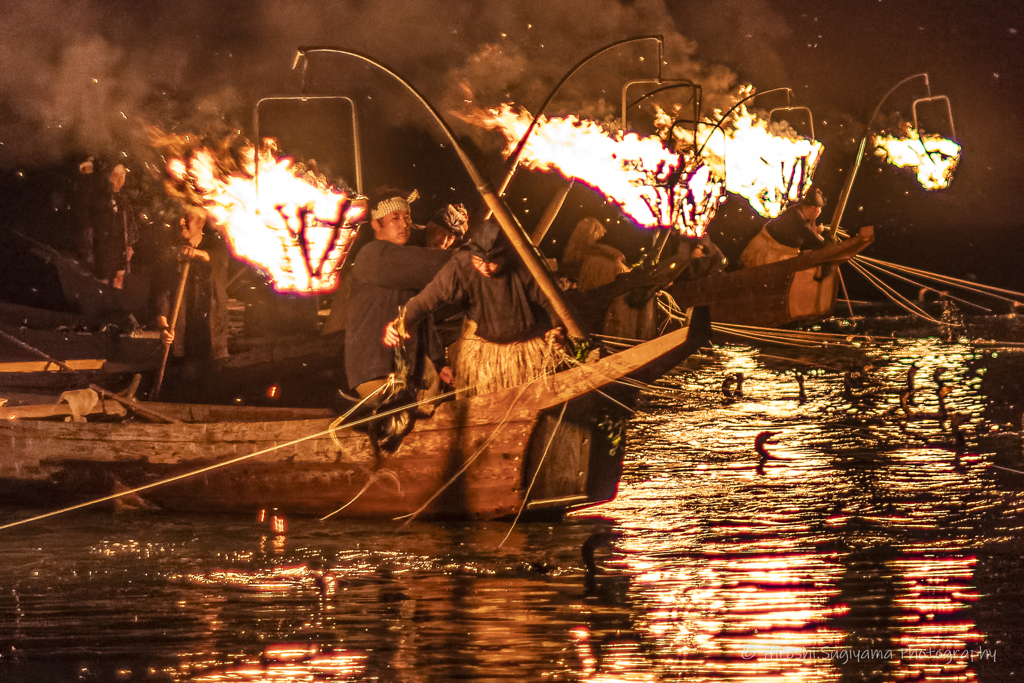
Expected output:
(509, 323)
(386, 273)
(783, 237)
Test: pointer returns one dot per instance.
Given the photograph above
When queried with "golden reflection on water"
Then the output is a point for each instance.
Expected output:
(848, 550)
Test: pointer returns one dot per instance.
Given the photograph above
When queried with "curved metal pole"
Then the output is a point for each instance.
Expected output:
(520, 242)
(733, 108)
(683, 83)
(844, 195)
(517, 153)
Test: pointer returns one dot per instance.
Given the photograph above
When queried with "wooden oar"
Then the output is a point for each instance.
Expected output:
(173, 323)
(31, 349)
(130, 403)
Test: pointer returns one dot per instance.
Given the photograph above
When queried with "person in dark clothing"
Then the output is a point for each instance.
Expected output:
(200, 335)
(783, 237)
(385, 275)
(87, 204)
(115, 231)
(509, 330)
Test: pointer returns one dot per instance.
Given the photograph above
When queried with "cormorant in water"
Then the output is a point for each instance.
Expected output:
(759, 443)
(911, 371)
(802, 398)
(735, 378)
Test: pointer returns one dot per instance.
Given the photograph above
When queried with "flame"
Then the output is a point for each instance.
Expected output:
(653, 185)
(768, 164)
(276, 214)
(933, 157)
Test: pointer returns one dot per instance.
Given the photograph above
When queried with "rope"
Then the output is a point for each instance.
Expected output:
(471, 459)
(970, 286)
(809, 334)
(536, 473)
(893, 295)
(1007, 469)
(842, 283)
(372, 480)
(337, 423)
(921, 285)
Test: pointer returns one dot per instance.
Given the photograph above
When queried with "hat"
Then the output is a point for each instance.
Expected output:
(391, 203)
(814, 198)
(454, 219)
(486, 241)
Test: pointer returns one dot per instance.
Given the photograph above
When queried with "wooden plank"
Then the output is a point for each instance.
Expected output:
(46, 366)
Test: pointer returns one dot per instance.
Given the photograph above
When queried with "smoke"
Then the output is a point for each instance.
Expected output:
(86, 76)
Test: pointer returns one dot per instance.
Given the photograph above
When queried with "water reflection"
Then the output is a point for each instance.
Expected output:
(852, 553)
(848, 553)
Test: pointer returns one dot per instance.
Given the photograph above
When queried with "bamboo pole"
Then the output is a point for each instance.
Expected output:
(509, 224)
(550, 213)
(173, 323)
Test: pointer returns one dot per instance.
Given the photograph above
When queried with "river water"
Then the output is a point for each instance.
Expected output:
(868, 547)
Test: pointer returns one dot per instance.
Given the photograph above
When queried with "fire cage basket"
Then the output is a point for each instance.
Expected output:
(665, 85)
(933, 114)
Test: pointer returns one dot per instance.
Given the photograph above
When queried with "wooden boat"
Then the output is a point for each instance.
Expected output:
(44, 350)
(503, 441)
(797, 289)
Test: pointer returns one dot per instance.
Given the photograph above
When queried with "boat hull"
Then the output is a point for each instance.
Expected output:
(546, 447)
(797, 289)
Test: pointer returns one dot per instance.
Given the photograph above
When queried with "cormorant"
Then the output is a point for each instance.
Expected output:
(759, 443)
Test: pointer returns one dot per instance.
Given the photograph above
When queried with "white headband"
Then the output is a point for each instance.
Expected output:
(392, 204)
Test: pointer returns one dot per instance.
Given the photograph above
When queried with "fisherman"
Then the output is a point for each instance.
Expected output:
(386, 273)
(200, 334)
(447, 228)
(107, 218)
(588, 263)
(783, 237)
(86, 205)
(509, 334)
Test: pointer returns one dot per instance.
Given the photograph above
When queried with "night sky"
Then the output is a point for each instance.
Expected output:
(84, 76)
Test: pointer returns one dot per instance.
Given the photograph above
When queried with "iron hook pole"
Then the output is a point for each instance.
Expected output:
(509, 224)
(844, 194)
(517, 153)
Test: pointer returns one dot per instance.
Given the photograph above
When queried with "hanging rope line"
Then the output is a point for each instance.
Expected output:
(526, 496)
(471, 459)
(369, 482)
(963, 284)
(846, 296)
(894, 296)
(921, 285)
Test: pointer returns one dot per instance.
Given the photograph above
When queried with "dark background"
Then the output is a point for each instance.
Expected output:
(85, 78)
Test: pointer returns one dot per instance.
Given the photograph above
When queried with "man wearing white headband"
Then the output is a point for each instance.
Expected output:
(386, 273)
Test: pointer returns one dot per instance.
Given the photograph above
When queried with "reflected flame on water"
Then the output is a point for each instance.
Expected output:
(291, 663)
(760, 577)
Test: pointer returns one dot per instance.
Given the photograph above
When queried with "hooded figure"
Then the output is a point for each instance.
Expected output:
(503, 342)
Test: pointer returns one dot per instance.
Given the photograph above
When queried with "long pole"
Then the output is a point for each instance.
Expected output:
(551, 213)
(517, 153)
(509, 225)
(173, 323)
(844, 195)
